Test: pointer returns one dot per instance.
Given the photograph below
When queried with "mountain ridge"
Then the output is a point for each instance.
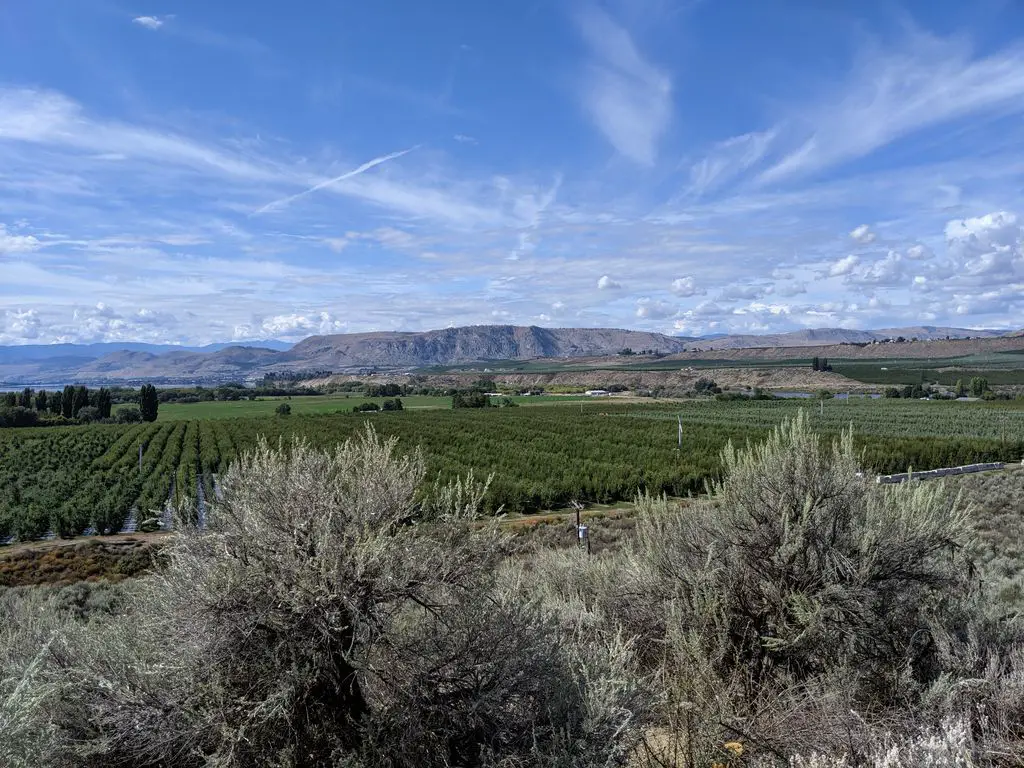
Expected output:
(408, 350)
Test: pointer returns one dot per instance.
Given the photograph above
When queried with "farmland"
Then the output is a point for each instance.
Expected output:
(869, 365)
(323, 404)
(264, 406)
(72, 479)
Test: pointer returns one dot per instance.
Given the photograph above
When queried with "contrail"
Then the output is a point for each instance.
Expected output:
(347, 175)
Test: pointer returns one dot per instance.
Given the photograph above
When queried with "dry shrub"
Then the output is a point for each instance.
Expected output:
(328, 617)
(800, 608)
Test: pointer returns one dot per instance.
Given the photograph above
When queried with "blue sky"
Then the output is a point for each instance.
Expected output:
(210, 171)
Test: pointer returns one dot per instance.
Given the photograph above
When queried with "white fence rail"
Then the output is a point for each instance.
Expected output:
(931, 474)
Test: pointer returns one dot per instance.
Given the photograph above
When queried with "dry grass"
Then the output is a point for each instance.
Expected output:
(87, 560)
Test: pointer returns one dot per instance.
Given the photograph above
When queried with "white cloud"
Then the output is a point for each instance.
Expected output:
(999, 227)
(652, 309)
(684, 286)
(20, 325)
(297, 325)
(862, 235)
(10, 243)
(844, 266)
(154, 318)
(728, 159)
(705, 309)
(987, 245)
(918, 252)
(895, 92)
(149, 22)
(886, 271)
(464, 139)
(747, 292)
(629, 99)
(605, 283)
(51, 119)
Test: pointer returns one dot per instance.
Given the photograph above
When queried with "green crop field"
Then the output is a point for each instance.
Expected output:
(68, 479)
(264, 406)
(1000, 368)
(313, 404)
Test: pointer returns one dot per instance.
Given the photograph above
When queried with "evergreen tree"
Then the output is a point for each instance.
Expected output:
(57, 403)
(42, 401)
(67, 407)
(25, 398)
(148, 402)
(815, 364)
(10, 399)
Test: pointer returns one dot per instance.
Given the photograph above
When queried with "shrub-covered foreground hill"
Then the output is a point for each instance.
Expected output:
(798, 615)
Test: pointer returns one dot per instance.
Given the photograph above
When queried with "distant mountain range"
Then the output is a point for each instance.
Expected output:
(26, 352)
(116, 362)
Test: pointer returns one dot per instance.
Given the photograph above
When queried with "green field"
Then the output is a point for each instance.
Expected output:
(265, 406)
(67, 479)
(321, 404)
(1000, 368)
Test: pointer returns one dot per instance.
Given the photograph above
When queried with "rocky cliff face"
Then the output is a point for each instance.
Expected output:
(469, 344)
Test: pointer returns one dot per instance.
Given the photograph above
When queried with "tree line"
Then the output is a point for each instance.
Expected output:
(29, 408)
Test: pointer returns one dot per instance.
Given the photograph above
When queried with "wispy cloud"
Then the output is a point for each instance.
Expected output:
(284, 202)
(628, 98)
(728, 159)
(150, 22)
(49, 118)
(55, 123)
(11, 243)
(894, 93)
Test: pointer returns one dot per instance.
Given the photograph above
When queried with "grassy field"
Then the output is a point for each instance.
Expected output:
(313, 404)
(266, 406)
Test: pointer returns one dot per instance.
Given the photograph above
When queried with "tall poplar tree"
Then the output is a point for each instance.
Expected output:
(81, 400)
(104, 402)
(148, 402)
(67, 407)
